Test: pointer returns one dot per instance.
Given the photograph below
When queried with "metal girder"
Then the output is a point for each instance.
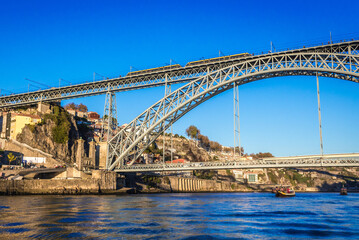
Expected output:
(153, 79)
(333, 160)
(131, 141)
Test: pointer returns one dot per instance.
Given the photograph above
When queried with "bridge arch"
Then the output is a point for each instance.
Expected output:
(131, 141)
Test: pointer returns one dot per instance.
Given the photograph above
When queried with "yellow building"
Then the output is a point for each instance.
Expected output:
(18, 122)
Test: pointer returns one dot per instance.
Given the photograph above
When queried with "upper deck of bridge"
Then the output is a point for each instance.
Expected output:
(158, 76)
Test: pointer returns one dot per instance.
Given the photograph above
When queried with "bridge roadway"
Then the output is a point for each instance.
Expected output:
(152, 79)
(312, 161)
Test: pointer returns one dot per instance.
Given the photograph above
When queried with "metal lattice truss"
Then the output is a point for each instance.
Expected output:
(347, 160)
(152, 79)
(131, 141)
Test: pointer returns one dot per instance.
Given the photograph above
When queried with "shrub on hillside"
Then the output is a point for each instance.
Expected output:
(61, 119)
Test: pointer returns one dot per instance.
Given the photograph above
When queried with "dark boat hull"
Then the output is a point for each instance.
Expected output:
(284, 194)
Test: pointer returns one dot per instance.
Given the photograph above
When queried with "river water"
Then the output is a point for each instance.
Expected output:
(181, 216)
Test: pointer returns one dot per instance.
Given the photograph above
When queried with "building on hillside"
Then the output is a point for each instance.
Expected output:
(18, 122)
(73, 112)
(77, 113)
(82, 114)
(93, 117)
(97, 131)
(47, 107)
(251, 177)
(238, 174)
(178, 161)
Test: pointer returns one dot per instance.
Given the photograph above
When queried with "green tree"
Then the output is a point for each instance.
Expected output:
(237, 150)
(215, 146)
(114, 120)
(71, 106)
(60, 132)
(81, 107)
(261, 155)
(192, 132)
(204, 141)
(56, 110)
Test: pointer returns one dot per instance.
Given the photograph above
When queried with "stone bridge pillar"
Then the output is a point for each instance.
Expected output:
(92, 153)
(80, 154)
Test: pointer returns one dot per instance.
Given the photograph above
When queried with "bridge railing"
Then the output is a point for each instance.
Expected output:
(305, 161)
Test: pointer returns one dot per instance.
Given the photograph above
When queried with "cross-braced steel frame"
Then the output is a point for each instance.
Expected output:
(331, 160)
(127, 146)
(153, 79)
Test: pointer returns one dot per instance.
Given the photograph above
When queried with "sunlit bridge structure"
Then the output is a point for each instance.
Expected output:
(330, 160)
(205, 79)
(131, 141)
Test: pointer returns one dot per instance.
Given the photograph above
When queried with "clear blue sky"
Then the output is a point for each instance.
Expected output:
(47, 40)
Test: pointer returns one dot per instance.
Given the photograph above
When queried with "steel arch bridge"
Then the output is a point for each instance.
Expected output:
(153, 79)
(127, 145)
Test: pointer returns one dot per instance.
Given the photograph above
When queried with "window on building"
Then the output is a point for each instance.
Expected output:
(251, 178)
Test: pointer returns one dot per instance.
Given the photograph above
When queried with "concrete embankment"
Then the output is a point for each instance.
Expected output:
(202, 185)
(101, 182)
(182, 184)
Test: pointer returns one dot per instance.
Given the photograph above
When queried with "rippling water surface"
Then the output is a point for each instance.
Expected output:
(181, 216)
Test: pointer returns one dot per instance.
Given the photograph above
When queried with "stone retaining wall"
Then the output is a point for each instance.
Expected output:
(101, 182)
(28, 151)
(178, 184)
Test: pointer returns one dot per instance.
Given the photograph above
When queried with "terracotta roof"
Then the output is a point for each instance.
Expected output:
(178, 161)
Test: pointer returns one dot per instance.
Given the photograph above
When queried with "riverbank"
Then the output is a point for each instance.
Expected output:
(93, 187)
(99, 182)
(71, 182)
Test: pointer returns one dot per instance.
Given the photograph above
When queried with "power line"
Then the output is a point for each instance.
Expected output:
(63, 80)
(37, 82)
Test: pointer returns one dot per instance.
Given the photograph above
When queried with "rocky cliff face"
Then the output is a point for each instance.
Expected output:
(184, 148)
(318, 179)
(41, 136)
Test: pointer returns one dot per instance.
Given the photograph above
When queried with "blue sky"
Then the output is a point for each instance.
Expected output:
(47, 40)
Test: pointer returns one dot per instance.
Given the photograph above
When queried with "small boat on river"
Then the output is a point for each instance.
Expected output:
(285, 192)
(343, 190)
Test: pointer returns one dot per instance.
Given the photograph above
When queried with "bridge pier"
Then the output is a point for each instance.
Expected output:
(92, 153)
(80, 154)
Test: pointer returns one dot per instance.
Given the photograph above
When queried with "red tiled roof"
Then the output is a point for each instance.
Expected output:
(178, 161)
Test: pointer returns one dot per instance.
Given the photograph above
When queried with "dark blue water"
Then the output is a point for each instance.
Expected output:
(181, 216)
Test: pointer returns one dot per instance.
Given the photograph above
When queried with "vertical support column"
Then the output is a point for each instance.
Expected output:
(92, 153)
(350, 59)
(111, 122)
(320, 119)
(3, 121)
(80, 154)
(171, 143)
(167, 92)
(163, 125)
(236, 123)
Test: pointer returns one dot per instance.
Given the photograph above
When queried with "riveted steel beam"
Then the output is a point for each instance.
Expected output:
(127, 146)
(153, 79)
